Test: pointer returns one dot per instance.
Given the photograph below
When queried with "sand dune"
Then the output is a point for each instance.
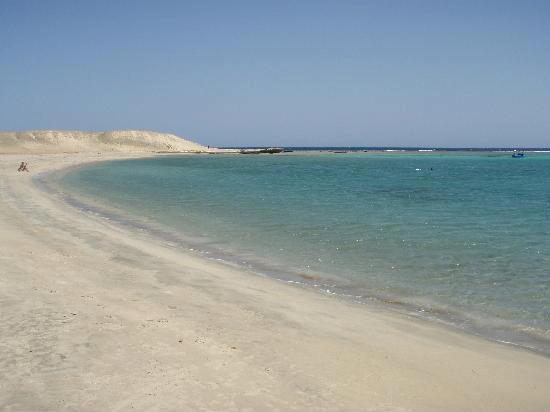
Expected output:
(74, 141)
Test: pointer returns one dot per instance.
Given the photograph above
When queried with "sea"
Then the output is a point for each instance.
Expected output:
(458, 237)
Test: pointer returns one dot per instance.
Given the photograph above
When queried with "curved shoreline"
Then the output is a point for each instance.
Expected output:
(492, 329)
(106, 318)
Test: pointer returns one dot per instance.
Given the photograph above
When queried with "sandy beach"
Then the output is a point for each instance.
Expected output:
(97, 316)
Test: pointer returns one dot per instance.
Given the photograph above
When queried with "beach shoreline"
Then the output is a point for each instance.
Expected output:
(491, 328)
(109, 318)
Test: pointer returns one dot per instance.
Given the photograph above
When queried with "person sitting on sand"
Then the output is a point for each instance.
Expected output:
(23, 167)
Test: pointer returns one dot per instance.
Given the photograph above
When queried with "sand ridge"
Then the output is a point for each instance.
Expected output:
(66, 141)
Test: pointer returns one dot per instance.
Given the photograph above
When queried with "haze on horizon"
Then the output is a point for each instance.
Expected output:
(308, 73)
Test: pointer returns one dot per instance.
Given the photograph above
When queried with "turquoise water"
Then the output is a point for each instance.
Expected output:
(459, 238)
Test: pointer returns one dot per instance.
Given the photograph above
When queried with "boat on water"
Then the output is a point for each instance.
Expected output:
(518, 154)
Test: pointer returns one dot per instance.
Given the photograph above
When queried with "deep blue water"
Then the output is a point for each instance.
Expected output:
(458, 237)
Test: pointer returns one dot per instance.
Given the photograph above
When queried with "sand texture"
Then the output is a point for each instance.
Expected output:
(96, 316)
(59, 141)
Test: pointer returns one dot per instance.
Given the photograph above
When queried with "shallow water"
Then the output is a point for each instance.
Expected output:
(461, 238)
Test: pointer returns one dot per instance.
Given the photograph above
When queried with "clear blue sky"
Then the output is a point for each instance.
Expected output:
(443, 73)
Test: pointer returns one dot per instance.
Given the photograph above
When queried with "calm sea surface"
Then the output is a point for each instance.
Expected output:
(459, 238)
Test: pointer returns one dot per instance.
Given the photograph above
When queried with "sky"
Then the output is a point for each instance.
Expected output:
(282, 73)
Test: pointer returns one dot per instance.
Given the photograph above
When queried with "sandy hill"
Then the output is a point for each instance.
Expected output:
(64, 141)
